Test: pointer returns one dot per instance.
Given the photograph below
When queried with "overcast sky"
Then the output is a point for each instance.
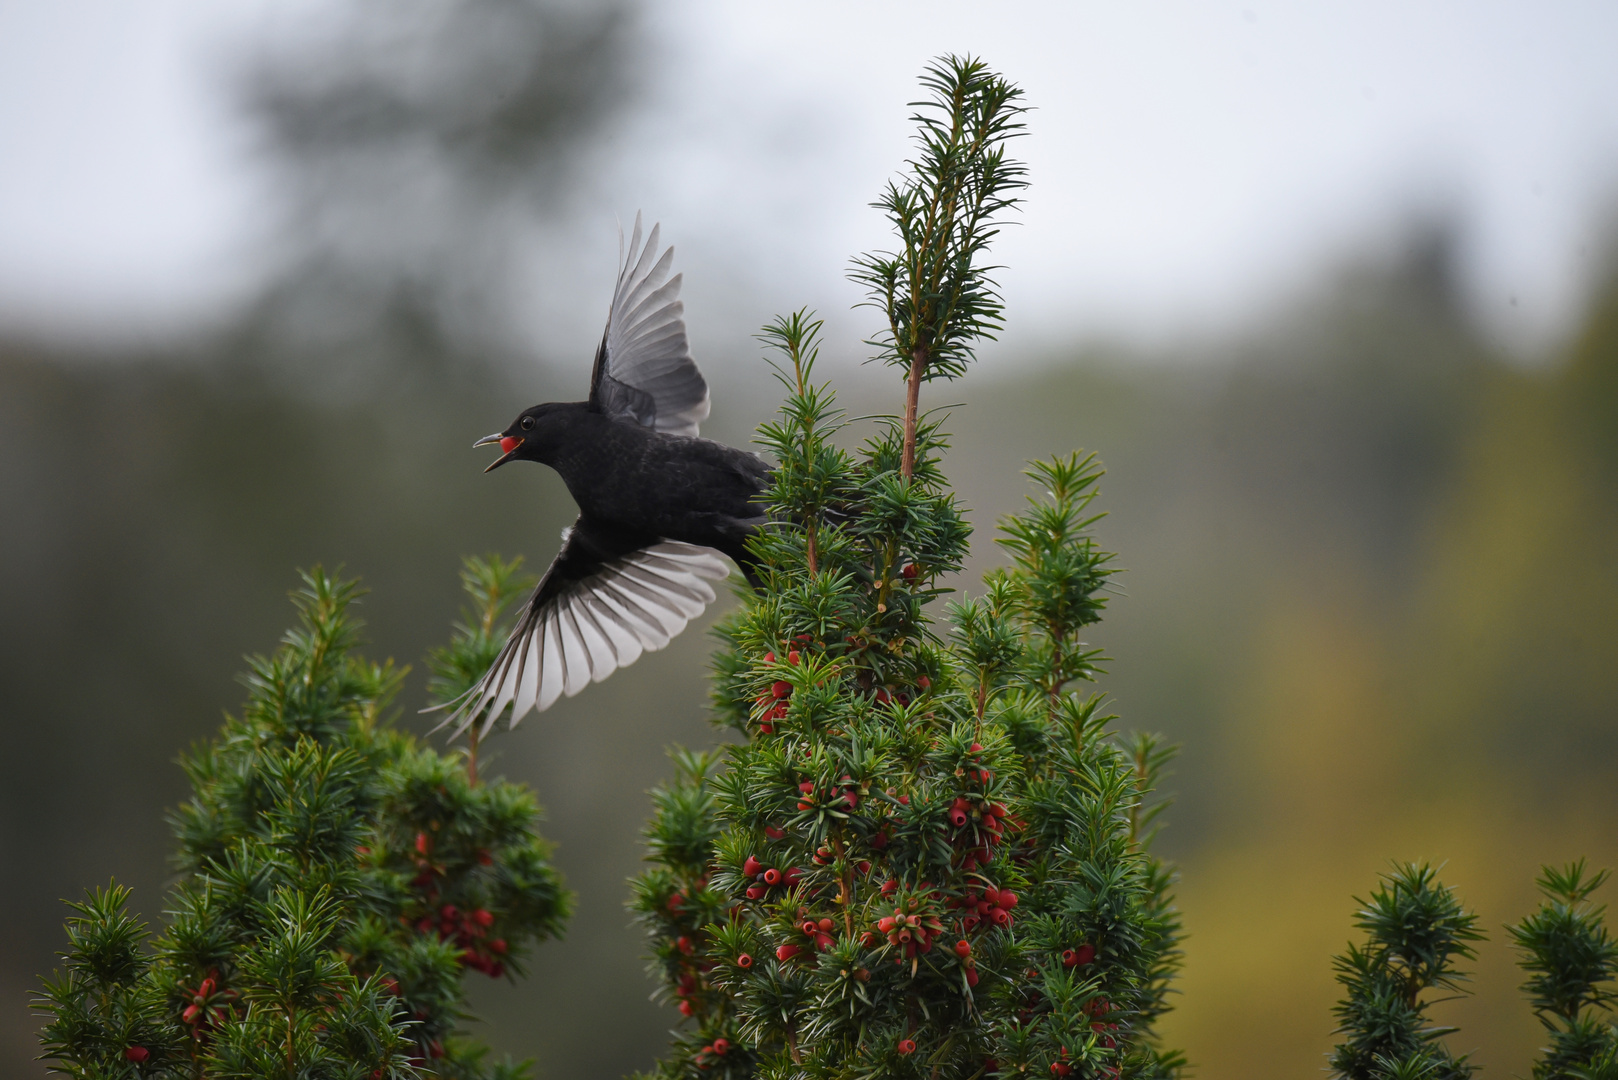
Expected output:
(1194, 163)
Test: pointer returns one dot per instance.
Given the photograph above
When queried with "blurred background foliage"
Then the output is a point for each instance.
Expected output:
(1372, 563)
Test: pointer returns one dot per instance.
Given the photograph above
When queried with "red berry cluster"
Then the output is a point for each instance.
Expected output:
(1082, 956)
(767, 878)
(716, 1049)
(469, 930)
(991, 907)
(772, 705)
(845, 794)
(981, 824)
(963, 949)
(209, 1006)
(912, 928)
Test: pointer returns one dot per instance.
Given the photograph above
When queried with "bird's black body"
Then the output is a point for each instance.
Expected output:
(636, 486)
(658, 504)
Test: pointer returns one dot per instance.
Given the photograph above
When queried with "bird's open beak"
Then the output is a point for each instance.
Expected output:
(498, 436)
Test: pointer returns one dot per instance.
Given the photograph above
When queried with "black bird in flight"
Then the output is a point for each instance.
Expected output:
(657, 504)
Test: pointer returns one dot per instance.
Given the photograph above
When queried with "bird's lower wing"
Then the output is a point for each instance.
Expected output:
(595, 611)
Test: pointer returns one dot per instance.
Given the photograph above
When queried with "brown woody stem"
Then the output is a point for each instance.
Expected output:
(918, 364)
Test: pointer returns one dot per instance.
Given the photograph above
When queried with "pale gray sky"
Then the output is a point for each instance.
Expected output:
(1193, 162)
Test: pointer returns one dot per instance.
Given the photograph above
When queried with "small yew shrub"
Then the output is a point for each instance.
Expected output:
(926, 857)
(1417, 932)
(339, 879)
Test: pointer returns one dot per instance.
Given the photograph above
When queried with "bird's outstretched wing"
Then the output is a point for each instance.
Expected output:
(643, 370)
(606, 599)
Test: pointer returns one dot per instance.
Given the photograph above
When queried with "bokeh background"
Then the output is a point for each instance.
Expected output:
(1331, 290)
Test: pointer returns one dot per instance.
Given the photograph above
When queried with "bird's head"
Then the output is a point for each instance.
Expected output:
(529, 437)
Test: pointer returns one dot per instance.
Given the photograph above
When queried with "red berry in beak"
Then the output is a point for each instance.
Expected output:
(508, 444)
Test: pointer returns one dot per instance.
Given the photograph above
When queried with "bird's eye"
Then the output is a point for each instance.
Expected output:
(527, 423)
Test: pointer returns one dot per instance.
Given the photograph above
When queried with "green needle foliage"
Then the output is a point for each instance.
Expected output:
(927, 857)
(339, 879)
(936, 291)
(1570, 960)
(1415, 933)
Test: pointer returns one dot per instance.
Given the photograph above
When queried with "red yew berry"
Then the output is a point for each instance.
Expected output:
(769, 658)
(809, 927)
(498, 946)
(907, 1046)
(971, 976)
(870, 940)
(787, 952)
(773, 833)
(483, 917)
(909, 571)
(780, 688)
(137, 1054)
(752, 867)
(686, 1009)
(1084, 954)
(424, 843)
(744, 961)
(924, 683)
(772, 876)
(683, 944)
(825, 925)
(791, 876)
(720, 1046)
(191, 1013)
(863, 866)
(1069, 958)
(757, 892)
(963, 948)
(792, 657)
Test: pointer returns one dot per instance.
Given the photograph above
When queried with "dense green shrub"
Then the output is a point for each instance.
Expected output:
(338, 880)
